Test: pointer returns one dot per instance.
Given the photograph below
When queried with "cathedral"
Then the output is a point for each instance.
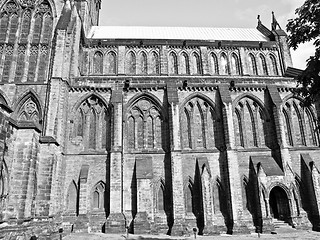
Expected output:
(149, 129)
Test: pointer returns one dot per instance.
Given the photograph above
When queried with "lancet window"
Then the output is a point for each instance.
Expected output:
(98, 63)
(185, 69)
(196, 65)
(263, 64)
(143, 63)
(154, 64)
(173, 64)
(224, 64)
(213, 64)
(144, 125)
(131, 63)
(235, 65)
(252, 64)
(98, 195)
(111, 63)
(274, 65)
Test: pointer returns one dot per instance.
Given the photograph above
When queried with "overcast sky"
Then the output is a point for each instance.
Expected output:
(203, 13)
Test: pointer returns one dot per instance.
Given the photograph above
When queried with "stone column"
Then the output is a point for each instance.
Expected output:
(176, 160)
(231, 176)
(116, 221)
(23, 180)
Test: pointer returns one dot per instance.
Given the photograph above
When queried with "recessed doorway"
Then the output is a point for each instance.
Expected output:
(279, 204)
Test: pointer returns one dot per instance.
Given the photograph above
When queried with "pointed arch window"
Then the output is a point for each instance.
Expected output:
(29, 111)
(263, 65)
(224, 64)
(111, 63)
(185, 64)
(161, 198)
(188, 198)
(274, 65)
(199, 125)
(92, 123)
(4, 20)
(214, 67)
(252, 65)
(98, 193)
(173, 64)
(98, 63)
(154, 65)
(72, 197)
(143, 63)
(144, 125)
(235, 66)
(131, 63)
(196, 65)
(287, 127)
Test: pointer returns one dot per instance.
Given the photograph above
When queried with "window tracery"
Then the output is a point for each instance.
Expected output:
(29, 111)
(199, 125)
(299, 124)
(92, 124)
(252, 128)
(144, 125)
(98, 194)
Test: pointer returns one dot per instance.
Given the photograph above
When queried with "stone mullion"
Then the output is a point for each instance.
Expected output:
(98, 131)
(2, 58)
(145, 130)
(256, 126)
(86, 130)
(244, 129)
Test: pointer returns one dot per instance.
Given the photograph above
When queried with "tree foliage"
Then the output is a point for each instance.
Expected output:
(304, 28)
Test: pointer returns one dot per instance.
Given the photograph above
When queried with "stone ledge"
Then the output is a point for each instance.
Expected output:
(48, 140)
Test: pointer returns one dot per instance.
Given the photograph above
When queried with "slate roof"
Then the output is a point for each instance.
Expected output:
(177, 33)
(269, 165)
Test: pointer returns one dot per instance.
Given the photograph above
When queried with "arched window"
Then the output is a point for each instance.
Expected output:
(98, 63)
(263, 65)
(161, 198)
(235, 66)
(143, 63)
(131, 63)
(154, 65)
(199, 125)
(188, 198)
(29, 110)
(98, 194)
(92, 123)
(144, 125)
(224, 64)
(287, 126)
(173, 63)
(274, 65)
(213, 64)
(252, 64)
(196, 65)
(72, 197)
(111, 63)
(185, 64)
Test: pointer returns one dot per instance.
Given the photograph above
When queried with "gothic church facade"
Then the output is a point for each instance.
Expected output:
(157, 130)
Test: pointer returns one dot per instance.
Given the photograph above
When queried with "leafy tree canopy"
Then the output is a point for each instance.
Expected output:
(304, 28)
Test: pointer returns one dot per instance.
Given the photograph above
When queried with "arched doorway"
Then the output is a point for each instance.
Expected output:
(279, 204)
